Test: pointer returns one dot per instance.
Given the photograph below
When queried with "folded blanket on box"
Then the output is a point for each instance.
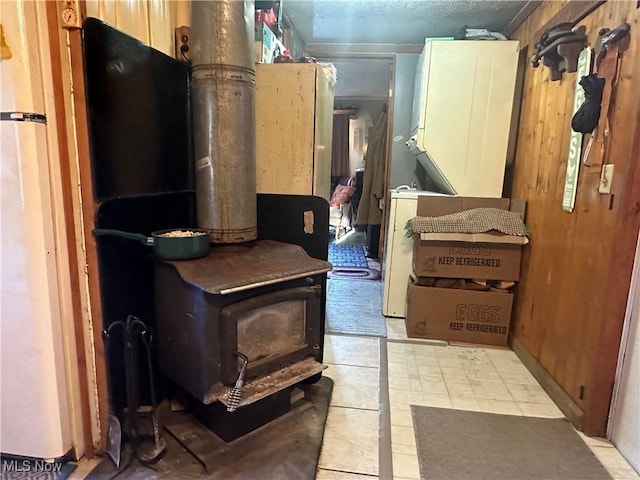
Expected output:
(476, 220)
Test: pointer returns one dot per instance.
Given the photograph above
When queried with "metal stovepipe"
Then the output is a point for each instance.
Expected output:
(223, 108)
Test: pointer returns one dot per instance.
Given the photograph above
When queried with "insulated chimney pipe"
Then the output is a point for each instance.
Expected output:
(223, 109)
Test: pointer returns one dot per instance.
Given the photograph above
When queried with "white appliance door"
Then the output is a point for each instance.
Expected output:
(399, 248)
(466, 117)
(33, 382)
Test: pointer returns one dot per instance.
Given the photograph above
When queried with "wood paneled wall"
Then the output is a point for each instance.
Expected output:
(571, 300)
(150, 21)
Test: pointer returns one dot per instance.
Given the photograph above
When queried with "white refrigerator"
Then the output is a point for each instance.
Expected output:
(34, 401)
(399, 251)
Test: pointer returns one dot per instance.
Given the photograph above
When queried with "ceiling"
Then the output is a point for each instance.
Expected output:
(348, 33)
(361, 77)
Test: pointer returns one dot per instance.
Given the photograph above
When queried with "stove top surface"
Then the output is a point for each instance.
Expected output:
(235, 268)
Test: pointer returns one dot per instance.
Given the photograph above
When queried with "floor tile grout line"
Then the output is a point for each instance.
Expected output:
(366, 336)
(348, 471)
(410, 341)
(350, 365)
(356, 408)
(385, 451)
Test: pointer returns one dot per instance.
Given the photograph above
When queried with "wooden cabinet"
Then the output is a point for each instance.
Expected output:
(294, 126)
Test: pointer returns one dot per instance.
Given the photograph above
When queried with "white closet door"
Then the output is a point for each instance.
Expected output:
(625, 414)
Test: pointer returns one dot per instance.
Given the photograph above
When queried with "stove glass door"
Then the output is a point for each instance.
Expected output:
(272, 330)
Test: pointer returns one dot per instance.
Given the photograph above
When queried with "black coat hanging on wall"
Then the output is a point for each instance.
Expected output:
(586, 118)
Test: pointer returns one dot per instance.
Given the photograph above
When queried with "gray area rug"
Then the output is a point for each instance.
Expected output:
(458, 445)
(355, 307)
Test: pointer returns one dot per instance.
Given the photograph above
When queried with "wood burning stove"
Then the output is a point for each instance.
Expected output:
(261, 300)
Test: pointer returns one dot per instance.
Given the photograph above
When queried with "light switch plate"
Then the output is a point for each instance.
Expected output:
(606, 178)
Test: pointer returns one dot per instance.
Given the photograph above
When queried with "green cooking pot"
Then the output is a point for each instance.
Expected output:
(172, 244)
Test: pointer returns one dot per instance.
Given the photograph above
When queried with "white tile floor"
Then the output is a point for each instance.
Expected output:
(351, 437)
(357, 444)
(421, 373)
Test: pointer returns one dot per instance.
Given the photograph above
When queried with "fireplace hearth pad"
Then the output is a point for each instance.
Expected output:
(288, 448)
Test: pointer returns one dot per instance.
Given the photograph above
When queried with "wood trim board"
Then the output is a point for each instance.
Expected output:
(557, 394)
(74, 278)
(89, 208)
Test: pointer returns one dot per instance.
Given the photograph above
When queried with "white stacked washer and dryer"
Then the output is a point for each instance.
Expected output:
(461, 124)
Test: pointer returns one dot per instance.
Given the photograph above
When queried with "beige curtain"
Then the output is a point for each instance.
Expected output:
(340, 146)
(369, 212)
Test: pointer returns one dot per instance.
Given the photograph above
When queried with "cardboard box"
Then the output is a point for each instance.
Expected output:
(458, 315)
(490, 256)
(461, 260)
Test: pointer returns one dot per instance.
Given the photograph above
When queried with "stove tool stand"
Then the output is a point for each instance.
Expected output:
(146, 453)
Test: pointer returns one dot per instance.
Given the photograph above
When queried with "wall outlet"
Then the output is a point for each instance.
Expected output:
(606, 178)
(183, 44)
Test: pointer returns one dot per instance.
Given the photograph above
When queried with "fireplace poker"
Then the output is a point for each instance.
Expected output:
(235, 394)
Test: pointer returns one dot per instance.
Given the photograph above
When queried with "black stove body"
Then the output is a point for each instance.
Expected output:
(262, 300)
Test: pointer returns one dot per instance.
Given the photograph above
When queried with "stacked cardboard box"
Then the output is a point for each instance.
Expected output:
(462, 312)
